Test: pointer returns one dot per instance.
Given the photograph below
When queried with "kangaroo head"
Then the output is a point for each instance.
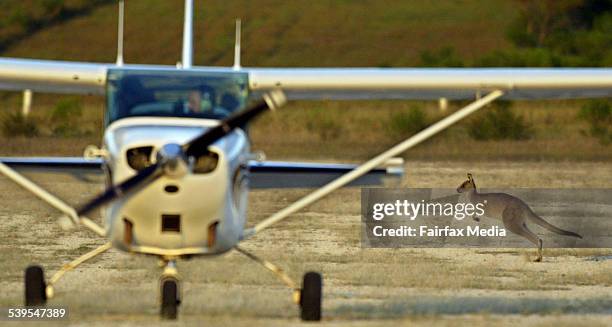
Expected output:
(468, 185)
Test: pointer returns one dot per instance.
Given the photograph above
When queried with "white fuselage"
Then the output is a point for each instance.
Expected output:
(199, 213)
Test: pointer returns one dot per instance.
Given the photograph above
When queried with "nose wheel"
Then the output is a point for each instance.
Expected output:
(169, 298)
(310, 297)
(35, 286)
(169, 291)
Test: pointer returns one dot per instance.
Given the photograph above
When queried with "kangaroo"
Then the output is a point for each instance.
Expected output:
(512, 211)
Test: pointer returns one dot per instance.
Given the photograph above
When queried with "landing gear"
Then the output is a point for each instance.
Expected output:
(35, 286)
(169, 291)
(37, 291)
(310, 297)
(169, 298)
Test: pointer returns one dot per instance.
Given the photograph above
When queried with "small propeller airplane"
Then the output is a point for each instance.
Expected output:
(177, 158)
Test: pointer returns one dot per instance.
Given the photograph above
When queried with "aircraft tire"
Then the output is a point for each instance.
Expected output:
(310, 297)
(169, 298)
(35, 286)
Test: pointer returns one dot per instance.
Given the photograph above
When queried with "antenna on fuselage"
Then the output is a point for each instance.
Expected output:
(119, 61)
(237, 46)
(188, 35)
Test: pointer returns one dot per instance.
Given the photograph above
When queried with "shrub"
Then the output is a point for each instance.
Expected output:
(445, 57)
(52, 7)
(538, 57)
(499, 123)
(404, 123)
(324, 124)
(558, 33)
(64, 117)
(598, 114)
(21, 18)
(16, 124)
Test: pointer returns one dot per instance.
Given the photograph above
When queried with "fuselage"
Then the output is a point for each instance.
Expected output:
(201, 212)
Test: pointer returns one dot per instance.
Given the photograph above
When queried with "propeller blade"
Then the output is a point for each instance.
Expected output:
(147, 174)
(199, 145)
(195, 147)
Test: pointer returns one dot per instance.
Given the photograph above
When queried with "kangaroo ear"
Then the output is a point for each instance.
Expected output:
(470, 177)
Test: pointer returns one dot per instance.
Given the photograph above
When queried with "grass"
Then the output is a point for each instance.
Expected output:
(19, 19)
(404, 124)
(369, 127)
(499, 122)
(599, 116)
(277, 33)
(305, 33)
(16, 124)
(343, 130)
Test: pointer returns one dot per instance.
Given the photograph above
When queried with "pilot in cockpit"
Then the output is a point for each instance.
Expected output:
(194, 102)
(200, 101)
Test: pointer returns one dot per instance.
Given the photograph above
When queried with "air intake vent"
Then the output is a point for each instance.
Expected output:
(206, 163)
(139, 158)
(171, 223)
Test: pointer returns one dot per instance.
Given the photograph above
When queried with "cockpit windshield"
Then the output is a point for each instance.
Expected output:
(174, 93)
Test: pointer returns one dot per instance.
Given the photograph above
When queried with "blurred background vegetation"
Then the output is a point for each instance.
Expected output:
(443, 33)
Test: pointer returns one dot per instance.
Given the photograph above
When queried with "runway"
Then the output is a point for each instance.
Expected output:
(361, 286)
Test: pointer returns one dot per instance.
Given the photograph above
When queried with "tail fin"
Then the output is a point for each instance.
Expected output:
(538, 220)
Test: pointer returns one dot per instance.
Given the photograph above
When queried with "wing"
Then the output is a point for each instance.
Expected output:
(434, 83)
(53, 163)
(52, 76)
(79, 167)
(336, 83)
(278, 174)
(263, 174)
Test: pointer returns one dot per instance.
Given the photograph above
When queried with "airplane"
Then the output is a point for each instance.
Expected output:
(177, 158)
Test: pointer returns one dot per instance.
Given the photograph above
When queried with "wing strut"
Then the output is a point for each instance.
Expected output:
(187, 58)
(237, 46)
(120, 22)
(374, 162)
(52, 200)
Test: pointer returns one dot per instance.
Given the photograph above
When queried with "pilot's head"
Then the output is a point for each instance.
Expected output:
(201, 99)
(194, 101)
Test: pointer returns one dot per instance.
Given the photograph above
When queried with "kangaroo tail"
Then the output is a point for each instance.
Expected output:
(538, 220)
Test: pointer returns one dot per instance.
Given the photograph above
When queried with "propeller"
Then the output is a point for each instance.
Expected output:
(172, 158)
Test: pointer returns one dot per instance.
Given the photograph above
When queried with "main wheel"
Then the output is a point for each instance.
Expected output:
(169, 298)
(310, 297)
(35, 286)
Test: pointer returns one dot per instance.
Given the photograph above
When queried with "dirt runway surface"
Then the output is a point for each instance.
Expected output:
(361, 286)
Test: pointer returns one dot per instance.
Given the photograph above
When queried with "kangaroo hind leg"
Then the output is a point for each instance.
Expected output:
(515, 222)
(531, 236)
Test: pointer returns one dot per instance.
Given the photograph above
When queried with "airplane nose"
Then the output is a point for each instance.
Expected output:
(172, 159)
